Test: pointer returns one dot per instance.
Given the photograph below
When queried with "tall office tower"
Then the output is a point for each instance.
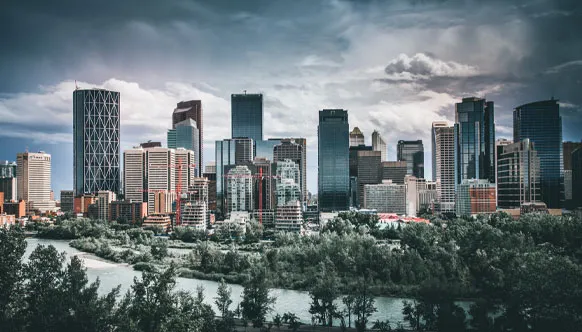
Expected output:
(67, 199)
(569, 147)
(194, 208)
(160, 175)
(378, 144)
(192, 109)
(7, 169)
(294, 149)
(239, 189)
(96, 161)
(475, 196)
(369, 171)
(356, 137)
(518, 181)
(386, 197)
(104, 199)
(8, 188)
(542, 124)
(353, 162)
(474, 140)
(576, 162)
(185, 135)
(287, 182)
(267, 183)
(413, 153)
(247, 116)
(134, 177)
(229, 152)
(333, 160)
(33, 174)
(443, 164)
(210, 174)
(411, 182)
(185, 168)
(394, 170)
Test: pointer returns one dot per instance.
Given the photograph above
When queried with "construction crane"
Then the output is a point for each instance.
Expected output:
(179, 167)
(260, 176)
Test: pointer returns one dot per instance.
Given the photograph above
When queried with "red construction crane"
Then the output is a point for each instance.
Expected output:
(179, 166)
(261, 177)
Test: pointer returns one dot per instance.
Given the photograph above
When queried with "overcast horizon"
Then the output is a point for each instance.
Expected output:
(396, 66)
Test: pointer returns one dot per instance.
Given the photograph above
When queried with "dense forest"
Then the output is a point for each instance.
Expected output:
(521, 275)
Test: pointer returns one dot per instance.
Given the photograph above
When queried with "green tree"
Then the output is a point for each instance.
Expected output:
(256, 302)
(323, 294)
(222, 299)
(363, 305)
(12, 247)
(159, 249)
(348, 302)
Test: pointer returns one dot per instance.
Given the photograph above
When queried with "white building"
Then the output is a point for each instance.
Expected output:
(386, 197)
(239, 189)
(289, 217)
(33, 173)
(194, 208)
(378, 144)
(134, 174)
(443, 164)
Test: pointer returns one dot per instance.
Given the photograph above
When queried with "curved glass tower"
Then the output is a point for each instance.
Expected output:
(333, 160)
(96, 141)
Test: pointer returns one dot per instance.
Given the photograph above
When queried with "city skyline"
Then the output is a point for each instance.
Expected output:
(399, 89)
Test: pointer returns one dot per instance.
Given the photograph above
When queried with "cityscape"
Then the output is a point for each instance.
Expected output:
(306, 166)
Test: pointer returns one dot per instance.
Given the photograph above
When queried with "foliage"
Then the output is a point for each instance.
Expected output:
(323, 294)
(256, 302)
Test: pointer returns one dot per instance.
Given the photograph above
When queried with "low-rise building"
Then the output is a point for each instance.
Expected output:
(386, 197)
(289, 217)
(476, 197)
(18, 209)
(127, 211)
(7, 220)
(162, 220)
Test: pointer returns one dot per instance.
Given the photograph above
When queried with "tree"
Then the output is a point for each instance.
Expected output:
(363, 305)
(256, 302)
(223, 300)
(348, 302)
(159, 249)
(323, 294)
(12, 247)
(292, 321)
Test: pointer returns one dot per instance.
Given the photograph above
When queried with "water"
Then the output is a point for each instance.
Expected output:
(112, 274)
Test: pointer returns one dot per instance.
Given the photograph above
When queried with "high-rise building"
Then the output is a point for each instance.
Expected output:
(287, 180)
(369, 171)
(33, 173)
(194, 209)
(569, 147)
(394, 170)
(160, 179)
(378, 144)
(263, 172)
(518, 180)
(134, 177)
(386, 197)
(294, 149)
(542, 124)
(356, 137)
(289, 217)
(333, 160)
(104, 199)
(96, 161)
(239, 189)
(475, 196)
(411, 183)
(443, 164)
(210, 174)
(229, 152)
(127, 212)
(8, 187)
(576, 163)
(500, 144)
(247, 116)
(67, 200)
(413, 153)
(474, 140)
(185, 168)
(192, 109)
(7, 169)
(264, 148)
(185, 135)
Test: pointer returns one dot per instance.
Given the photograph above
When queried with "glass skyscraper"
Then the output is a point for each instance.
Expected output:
(474, 140)
(192, 109)
(542, 124)
(247, 116)
(96, 141)
(333, 160)
(413, 153)
(229, 152)
(186, 135)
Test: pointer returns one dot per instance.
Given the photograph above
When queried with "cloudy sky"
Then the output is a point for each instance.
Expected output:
(395, 65)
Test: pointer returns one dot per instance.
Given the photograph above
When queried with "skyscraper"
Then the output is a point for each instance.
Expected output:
(192, 109)
(542, 124)
(185, 135)
(287, 180)
(378, 144)
(294, 149)
(569, 147)
(239, 189)
(369, 171)
(474, 140)
(160, 179)
(577, 178)
(518, 181)
(7, 169)
(247, 116)
(33, 174)
(96, 141)
(413, 153)
(356, 137)
(394, 170)
(333, 160)
(443, 164)
(134, 174)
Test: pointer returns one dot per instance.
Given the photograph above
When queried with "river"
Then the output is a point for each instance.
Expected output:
(113, 274)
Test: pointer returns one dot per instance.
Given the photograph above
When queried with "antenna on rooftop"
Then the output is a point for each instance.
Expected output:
(76, 86)
(245, 91)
